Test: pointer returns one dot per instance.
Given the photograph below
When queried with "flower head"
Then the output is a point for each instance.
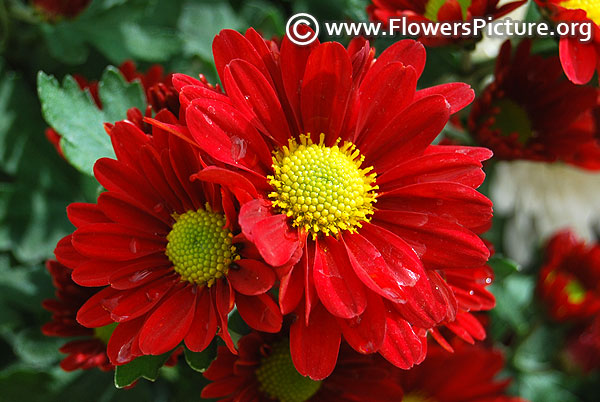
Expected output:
(359, 214)
(167, 249)
(474, 369)
(438, 11)
(569, 281)
(531, 112)
(579, 57)
(263, 370)
(89, 350)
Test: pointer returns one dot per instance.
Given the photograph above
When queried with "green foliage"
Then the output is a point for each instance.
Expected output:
(142, 367)
(200, 361)
(74, 114)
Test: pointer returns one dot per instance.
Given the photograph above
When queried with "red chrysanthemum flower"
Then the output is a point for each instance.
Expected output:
(438, 11)
(160, 94)
(532, 112)
(583, 346)
(89, 350)
(579, 59)
(473, 371)
(360, 213)
(263, 371)
(569, 282)
(57, 9)
(166, 247)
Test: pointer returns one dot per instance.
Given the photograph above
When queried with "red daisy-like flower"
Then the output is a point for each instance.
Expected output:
(160, 94)
(166, 247)
(263, 371)
(583, 346)
(532, 112)
(360, 213)
(569, 282)
(90, 349)
(57, 9)
(580, 59)
(438, 11)
(473, 370)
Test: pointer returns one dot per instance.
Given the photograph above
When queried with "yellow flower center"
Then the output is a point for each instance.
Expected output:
(200, 246)
(279, 379)
(104, 333)
(416, 397)
(591, 7)
(512, 118)
(322, 188)
(575, 291)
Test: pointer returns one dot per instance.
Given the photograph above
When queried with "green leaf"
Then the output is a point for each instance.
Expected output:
(503, 266)
(76, 117)
(199, 23)
(151, 43)
(142, 367)
(200, 361)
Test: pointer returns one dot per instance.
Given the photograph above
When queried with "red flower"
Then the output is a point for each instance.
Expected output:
(56, 9)
(531, 112)
(263, 370)
(569, 281)
(166, 248)
(579, 59)
(438, 11)
(90, 349)
(159, 91)
(583, 346)
(360, 213)
(473, 369)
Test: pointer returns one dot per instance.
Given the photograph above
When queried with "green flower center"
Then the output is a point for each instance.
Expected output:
(322, 188)
(200, 246)
(104, 333)
(575, 291)
(512, 118)
(591, 7)
(279, 379)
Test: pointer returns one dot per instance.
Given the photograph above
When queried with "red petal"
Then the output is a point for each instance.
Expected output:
(120, 210)
(252, 92)
(204, 326)
(129, 304)
(227, 135)
(380, 104)
(408, 52)
(119, 348)
(401, 346)
(224, 301)
(81, 213)
(340, 291)
(252, 278)
(409, 134)
(273, 237)
(578, 59)
(66, 254)
(169, 323)
(383, 262)
(291, 289)
(315, 347)
(457, 94)
(93, 314)
(325, 91)
(259, 312)
(450, 201)
(366, 332)
(241, 187)
(439, 243)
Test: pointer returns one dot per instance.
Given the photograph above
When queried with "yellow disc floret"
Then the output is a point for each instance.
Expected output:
(200, 246)
(279, 379)
(591, 7)
(323, 188)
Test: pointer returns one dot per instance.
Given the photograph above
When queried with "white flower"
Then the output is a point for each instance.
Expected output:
(540, 198)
